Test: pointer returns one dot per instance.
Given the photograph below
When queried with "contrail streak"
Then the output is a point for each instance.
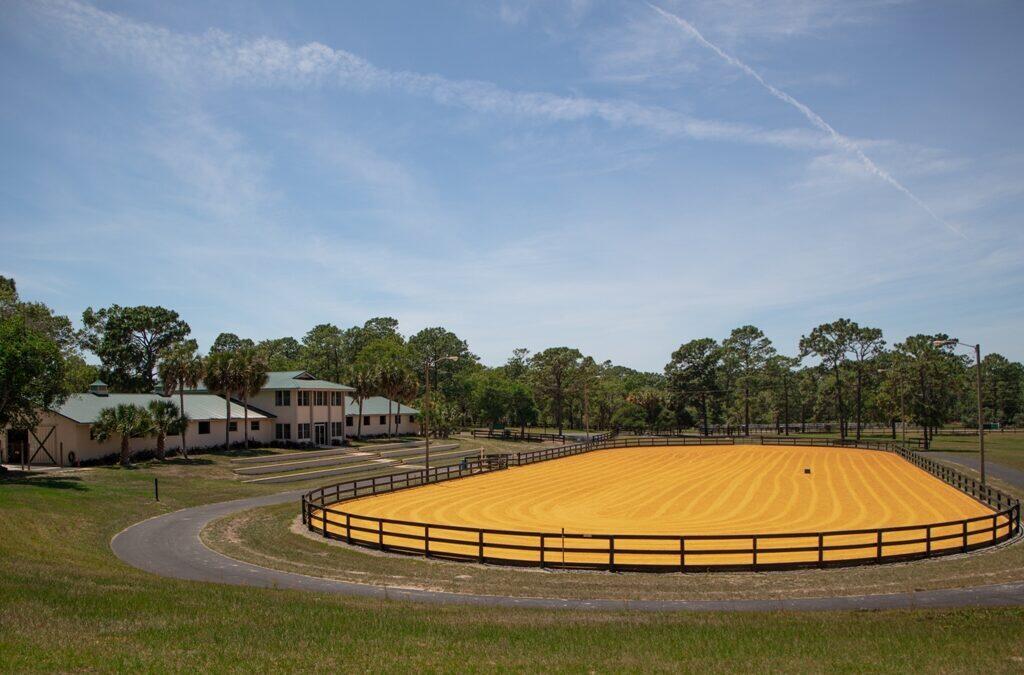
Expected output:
(813, 117)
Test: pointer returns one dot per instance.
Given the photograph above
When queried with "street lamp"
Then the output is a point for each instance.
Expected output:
(427, 365)
(953, 342)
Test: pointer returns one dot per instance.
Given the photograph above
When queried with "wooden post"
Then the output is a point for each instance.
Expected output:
(965, 536)
(879, 544)
(380, 533)
(542, 542)
(426, 541)
(821, 549)
(156, 489)
(348, 526)
(682, 554)
(611, 553)
(480, 547)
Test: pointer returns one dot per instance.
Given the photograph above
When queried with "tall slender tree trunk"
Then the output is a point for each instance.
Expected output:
(925, 416)
(839, 403)
(389, 415)
(359, 428)
(181, 413)
(161, 453)
(746, 408)
(125, 449)
(785, 405)
(704, 410)
(860, 376)
(245, 402)
(558, 412)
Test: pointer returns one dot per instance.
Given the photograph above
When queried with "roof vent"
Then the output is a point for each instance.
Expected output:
(99, 388)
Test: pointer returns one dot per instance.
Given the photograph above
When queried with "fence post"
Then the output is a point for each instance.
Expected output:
(965, 536)
(348, 526)
(821, 549)
(928, 540)
(380, 533)
(755, 551)
(994, 526)
(682, 554)
(480, 547)
(611, 553)
(543, 541)
(426, 541)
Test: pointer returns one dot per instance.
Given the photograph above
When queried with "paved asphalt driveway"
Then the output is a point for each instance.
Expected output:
(169, 546)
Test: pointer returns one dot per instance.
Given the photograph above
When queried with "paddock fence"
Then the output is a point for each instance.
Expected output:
(323, 512)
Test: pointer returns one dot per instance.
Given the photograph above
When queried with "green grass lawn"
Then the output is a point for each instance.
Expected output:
(66, 603)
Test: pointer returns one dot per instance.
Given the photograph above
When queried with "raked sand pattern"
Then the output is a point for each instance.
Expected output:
(682, 492)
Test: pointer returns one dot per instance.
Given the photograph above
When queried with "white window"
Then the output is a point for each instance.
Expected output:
(283, 432)
(319, 398)
(303, 398)
(304, 432)
(337, 429)
(282, 399)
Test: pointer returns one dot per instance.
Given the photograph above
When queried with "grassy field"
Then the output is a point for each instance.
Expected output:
(66, 603)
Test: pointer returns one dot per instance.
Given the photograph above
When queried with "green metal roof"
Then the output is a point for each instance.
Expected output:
(85, 408)
(292, 379)
(300, 379)
(378, 405)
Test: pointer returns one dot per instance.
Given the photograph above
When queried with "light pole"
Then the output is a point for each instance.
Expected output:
(427, 365)
(981, 413)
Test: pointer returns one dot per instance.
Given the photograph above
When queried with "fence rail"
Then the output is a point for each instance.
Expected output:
(513, 435)
(322, 513)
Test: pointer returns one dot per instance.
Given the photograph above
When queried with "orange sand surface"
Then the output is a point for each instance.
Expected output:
(679, 491)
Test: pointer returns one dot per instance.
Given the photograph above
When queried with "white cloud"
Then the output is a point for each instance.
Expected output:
(843, 142)
(220, 58)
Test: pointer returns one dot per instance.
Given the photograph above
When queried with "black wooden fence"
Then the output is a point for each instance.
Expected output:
(322, 514)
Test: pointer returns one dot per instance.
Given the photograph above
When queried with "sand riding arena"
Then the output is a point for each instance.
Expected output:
(684, 504)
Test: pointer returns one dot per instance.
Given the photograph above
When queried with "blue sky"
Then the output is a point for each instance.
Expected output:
(609, 175)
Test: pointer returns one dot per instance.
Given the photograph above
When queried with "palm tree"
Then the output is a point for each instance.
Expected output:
(222, 378)
(363, 382)
(182, 369)
(396, 381)
(407, 392)
(167, 420)
(252, 370)
(126, 421)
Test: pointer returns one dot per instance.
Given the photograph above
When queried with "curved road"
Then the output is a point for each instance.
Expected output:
(169, 545)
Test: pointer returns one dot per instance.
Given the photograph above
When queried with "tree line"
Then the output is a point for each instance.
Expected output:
(843, 374)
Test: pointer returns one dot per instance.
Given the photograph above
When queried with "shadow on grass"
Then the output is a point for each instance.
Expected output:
(181, 461)
(240, 452)
(43, 481)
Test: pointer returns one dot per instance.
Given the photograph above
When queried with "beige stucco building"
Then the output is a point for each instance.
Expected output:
(293, 407)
